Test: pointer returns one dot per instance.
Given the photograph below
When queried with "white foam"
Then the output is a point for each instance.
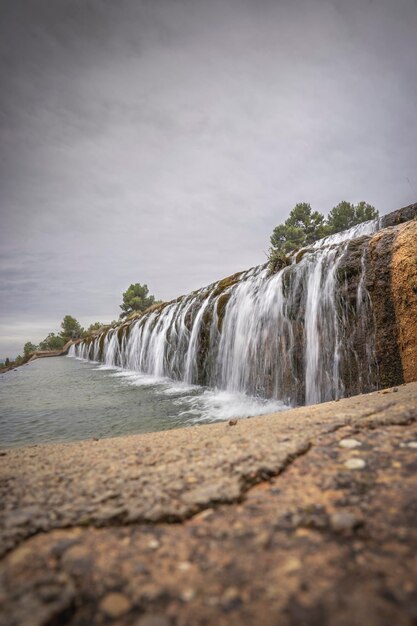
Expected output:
(140, 380)
(174, 390)
(213, 405)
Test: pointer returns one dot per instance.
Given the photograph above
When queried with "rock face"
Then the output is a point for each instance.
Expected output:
(404, 296)
(392, 284)
(388, 356)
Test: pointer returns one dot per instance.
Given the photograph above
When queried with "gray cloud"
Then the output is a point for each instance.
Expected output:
(162, 141)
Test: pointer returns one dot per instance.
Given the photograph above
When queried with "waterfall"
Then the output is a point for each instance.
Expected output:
(301, 335)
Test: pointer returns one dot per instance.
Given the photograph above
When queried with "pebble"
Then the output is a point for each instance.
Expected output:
(293, 564)
(349, 443)
(115, 605)
(343, 520)
(354, 464)
(230, 598)
(184, 566)
(188, 595)
(411, 444)
(153, 544)
(232, 422)
(77, 560)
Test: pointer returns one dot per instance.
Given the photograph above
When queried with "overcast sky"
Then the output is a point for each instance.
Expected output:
(161, 141)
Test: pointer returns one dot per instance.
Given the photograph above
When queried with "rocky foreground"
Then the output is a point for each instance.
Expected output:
(305, 517)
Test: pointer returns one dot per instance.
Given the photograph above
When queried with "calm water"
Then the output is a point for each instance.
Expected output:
(66, 399)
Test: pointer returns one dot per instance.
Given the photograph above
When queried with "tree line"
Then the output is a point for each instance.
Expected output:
(304, 226)
(70, 329)
(135, 299)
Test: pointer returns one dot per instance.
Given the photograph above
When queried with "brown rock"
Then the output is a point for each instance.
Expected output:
(344, 521)
(115, 605)
(404, 294)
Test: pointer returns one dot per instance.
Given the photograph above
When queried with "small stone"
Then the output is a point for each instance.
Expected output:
(412, 444)
(184, 566)
(231, 598)
(349, 443)
(115, 605)
(188, 595)
(233, 422)
(343, 520)
(153, 544)
(293, 564)
(354, 464)
(77, 560)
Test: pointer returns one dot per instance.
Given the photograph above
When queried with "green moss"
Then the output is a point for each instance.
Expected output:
(224, 284)
(120, 332)
(101, 344)
(346, 272)
(287, 281)
(300, 254)
(221, 307)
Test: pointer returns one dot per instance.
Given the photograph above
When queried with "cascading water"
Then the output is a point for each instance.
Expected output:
(292, 335)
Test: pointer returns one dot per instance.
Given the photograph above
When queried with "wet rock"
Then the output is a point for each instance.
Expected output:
(399, 216)
(380, 285)
(232, 422)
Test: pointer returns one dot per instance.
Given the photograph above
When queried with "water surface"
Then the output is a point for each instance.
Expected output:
(66, 399)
